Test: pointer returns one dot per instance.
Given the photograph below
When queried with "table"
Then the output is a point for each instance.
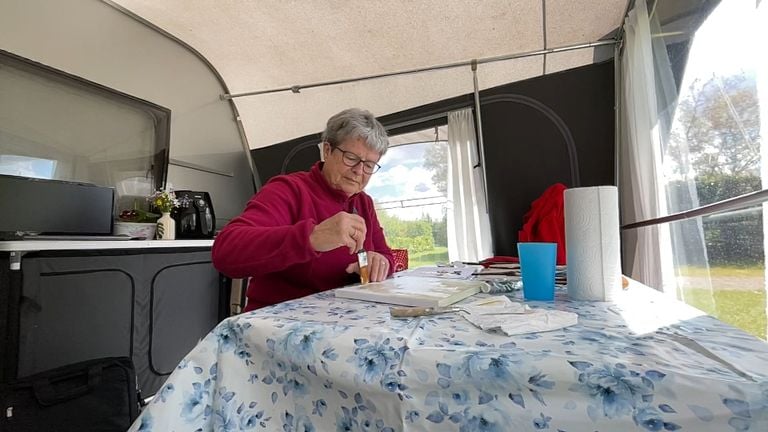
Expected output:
(642, 362)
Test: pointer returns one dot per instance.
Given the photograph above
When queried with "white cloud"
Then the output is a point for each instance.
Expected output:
(403, 177)
(26, 166)
(402, 182)
(727, 41)
(407, 154)
(387, 177)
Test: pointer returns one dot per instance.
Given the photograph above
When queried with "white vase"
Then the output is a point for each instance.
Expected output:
(166, 227)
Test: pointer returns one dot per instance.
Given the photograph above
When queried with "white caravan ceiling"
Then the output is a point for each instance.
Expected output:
(267, 44)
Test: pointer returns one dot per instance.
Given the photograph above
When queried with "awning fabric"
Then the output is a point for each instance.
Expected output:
(266, 44)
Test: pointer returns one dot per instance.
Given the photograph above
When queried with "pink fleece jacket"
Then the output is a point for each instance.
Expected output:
(269, 241)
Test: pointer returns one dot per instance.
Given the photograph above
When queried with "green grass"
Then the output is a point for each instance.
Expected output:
(731, 271)
(428, 258)
(742, 309)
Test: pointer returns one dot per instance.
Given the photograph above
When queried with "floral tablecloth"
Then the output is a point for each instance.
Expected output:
(644, 362)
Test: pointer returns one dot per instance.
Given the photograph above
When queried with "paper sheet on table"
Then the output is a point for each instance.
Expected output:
(464, 272)
(512, 318)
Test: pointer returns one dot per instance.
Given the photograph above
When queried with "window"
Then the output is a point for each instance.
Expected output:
(410, 195)
(25, 166)
(712, 152)
(730, 283)
(58, 126)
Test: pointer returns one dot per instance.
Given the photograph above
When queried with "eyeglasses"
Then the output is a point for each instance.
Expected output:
(352, 160)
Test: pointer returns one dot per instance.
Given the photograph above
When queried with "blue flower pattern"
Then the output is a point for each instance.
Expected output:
(326, 364)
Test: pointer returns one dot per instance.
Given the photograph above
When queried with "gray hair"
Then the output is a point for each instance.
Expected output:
(356, 123)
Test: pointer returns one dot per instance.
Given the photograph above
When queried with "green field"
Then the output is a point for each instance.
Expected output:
(428, 258)
(742, 309)
(714, 272)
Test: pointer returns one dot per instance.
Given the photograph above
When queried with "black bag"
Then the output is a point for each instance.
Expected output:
(95, 395)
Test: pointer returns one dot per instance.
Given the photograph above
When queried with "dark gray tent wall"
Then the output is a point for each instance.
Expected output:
(537, 132)
(526, 152)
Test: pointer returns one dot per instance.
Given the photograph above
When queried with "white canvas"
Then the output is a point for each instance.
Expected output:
(413, 291)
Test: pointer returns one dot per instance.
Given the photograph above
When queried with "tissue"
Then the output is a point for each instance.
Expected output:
(592, 242)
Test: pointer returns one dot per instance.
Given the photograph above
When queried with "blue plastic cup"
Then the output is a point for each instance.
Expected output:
(537, 264)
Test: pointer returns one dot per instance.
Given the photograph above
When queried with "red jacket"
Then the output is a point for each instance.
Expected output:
(545, 221)
(269, 241)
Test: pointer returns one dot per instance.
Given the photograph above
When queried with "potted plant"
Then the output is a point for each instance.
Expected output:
(136, 223)
(164, 202)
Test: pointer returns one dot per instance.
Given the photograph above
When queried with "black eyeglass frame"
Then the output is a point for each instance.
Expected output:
(352, 160)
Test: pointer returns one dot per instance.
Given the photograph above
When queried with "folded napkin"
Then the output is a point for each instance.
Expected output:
(512, 318)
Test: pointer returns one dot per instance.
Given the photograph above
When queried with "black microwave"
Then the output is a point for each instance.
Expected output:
(194, 216)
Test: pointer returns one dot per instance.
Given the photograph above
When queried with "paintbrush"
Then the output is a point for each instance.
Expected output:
(362, 260)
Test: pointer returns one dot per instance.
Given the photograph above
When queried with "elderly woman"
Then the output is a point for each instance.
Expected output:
(300, 233)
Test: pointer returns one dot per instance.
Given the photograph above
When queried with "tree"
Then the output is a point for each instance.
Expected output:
(719, 123)
(436, 160)
(440, 231)
(736, 239)
(717, 141)
(414, 235)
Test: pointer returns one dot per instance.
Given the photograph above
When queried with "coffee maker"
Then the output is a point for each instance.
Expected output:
(194, 216)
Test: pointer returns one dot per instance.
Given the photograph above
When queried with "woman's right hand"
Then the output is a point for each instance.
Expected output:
(341, 229)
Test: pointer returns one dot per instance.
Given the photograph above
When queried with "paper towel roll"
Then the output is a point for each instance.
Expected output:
(592, 242)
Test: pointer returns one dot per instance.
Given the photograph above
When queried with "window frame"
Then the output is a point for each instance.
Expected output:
(160, 115)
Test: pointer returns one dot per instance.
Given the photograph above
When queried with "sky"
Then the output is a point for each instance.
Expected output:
(402, 176)
(728, 43)
(27, 166)
(730, 40)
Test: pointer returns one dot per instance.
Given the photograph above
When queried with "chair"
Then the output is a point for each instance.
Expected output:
(401, 259)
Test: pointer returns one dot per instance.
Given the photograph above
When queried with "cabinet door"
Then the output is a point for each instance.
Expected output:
(183, 308)
(150, 305)
(75, 309)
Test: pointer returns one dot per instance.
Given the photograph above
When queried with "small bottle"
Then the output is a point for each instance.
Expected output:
(362, 261)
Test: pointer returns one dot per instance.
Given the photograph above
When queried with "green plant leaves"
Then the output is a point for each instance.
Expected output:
(138, 216)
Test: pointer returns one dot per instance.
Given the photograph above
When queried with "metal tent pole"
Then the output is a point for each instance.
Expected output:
(479, 118)
(297, 88)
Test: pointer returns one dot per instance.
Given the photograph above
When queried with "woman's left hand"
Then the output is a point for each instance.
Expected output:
(378, 267)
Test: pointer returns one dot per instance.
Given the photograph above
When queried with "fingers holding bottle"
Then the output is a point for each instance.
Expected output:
(342, 229)
(378, 266)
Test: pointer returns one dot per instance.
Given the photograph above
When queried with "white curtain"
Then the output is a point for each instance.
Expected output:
(469, 232)
(647, 251)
